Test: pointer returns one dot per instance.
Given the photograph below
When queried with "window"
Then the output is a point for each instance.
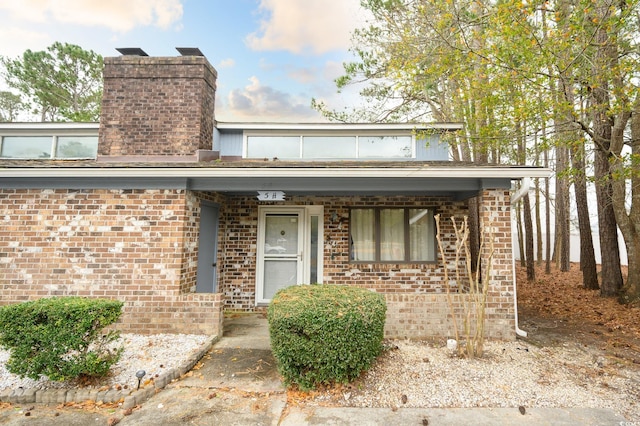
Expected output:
(26, 147)
(392, 235)
(329, 147)
(48, 147)
(281, 147)
(76, 147)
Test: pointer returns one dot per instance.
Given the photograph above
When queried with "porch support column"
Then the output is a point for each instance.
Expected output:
(495, 219)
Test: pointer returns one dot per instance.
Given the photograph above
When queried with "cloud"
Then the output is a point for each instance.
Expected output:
(264, 103)
(117, 15)
(20, 38)
(323, 76)
(297, 26)
(303, 75)
(227, 63)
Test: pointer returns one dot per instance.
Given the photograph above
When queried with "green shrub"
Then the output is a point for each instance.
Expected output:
(60, 338)
(322, 334)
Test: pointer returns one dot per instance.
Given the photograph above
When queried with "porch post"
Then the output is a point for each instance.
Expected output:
(495, 219)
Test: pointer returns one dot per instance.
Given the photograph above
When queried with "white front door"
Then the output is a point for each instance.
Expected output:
(289, 248)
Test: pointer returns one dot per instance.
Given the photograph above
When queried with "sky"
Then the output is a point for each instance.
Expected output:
(272, 56)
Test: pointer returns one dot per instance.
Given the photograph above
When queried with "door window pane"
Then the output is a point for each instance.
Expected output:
(391, 234)
(77, 147)
(281, 234)
(273, 146)
(384, 147)
(362, 234)
(329, 147)
(422, 234)
(26, 147)
(279, 274)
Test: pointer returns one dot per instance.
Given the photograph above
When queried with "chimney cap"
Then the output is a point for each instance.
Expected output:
(189, 51)
(131, 51)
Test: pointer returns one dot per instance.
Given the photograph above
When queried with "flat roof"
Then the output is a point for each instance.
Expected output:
(223, 125)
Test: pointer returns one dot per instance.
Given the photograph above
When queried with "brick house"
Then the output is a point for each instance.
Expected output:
(183, 217)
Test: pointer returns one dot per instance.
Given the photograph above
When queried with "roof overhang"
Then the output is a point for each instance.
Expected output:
(38, 128)
(304, 127)
(457, 182)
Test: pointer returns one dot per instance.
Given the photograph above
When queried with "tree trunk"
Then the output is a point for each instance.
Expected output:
(630, 292)
(602, 117)
(528, 230)
(563, 230)
(538, 224)
(629, 223)
(587, 255)
(611, 274)
(547, 209)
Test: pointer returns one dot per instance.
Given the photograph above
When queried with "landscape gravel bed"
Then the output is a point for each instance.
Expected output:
(510, 374)
(419, 374)
(155, 354)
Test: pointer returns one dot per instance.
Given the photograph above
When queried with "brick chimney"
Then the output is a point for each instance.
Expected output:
(157, 108)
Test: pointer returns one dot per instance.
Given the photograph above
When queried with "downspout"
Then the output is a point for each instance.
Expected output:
(524, 189)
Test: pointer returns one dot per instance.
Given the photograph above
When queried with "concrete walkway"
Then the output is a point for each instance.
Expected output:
(237, 384)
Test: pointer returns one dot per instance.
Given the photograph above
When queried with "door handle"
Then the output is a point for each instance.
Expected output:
(214, 265)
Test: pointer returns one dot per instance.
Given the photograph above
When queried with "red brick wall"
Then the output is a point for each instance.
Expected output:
(138, 246)
(141, 246)
(238, 244)
(415, 293)
(429, 315)
(240, 218)
(157, 106)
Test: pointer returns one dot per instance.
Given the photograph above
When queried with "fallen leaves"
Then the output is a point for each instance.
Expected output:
(560, 295)
(559, 298)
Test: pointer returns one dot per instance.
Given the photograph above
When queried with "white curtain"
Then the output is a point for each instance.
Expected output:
(392, 234)
(421, 235)
(362, 236)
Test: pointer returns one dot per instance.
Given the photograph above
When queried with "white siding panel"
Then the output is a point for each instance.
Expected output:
(231, 144)
(430, 149)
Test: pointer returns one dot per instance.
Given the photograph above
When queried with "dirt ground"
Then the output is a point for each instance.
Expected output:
(556, 308)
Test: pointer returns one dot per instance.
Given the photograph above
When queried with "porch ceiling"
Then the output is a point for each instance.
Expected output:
(449, 180)
(453, 187)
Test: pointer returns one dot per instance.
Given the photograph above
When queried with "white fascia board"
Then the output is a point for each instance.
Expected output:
(39, 126)
(49, 129)
(413, 172)
(302, 127)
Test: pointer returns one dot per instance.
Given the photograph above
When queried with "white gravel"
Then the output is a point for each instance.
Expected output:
(421, 374)
(511, 374)
(153, 353)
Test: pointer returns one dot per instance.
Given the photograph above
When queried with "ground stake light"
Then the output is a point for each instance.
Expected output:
(140, 374)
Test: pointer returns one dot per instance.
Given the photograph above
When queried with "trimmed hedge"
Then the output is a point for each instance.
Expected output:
(60, 338)
(322, 334)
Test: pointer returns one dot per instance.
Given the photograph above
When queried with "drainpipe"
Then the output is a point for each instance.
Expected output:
(524, 189)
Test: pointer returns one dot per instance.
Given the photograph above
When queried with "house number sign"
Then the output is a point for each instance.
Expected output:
(270, 196)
